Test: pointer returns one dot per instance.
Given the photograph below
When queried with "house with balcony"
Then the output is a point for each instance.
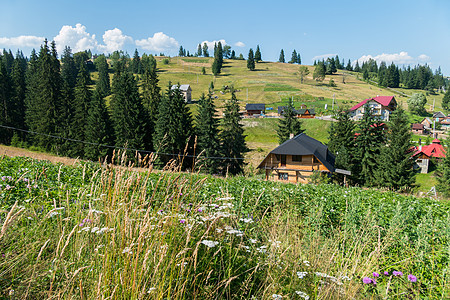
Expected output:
(381, 106)
(424, 155)
(296, 159)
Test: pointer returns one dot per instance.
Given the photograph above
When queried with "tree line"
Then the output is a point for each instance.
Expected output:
(59, 109)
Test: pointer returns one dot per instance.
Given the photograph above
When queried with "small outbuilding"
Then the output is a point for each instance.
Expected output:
(255, 109)
(185, 90)
(418, 128)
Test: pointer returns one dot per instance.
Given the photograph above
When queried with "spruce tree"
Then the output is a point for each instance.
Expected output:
(218, 59)
(103, 85)
(6, 105)
(233, 138)
(293, 57)
(251, 60)
(395, 163)
(319, 71)
(446, 100)
(173, 132)
(80, 111)
(349, 66)
(98, 130)
(357, 68)
(369, 141)
(136, 66)
(205, 50)
(151, 98)
(258, 54)
(207, 135)
(281, 59)
(127, 113)
(233, 55)
(443, 172)
(18, 91)
(289, 123)
(299, 59)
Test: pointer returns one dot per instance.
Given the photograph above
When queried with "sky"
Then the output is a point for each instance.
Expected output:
(404, 32)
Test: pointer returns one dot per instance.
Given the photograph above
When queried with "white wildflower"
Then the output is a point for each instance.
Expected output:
(306, 263)
(301, 275)
(277, 297)
(96, 211)
(210, 244)
(246, 220)
(253, 241)
(53, 213)
(218, 230)
(127, 250)
(151, 290)
(302, 294)
(95, 229)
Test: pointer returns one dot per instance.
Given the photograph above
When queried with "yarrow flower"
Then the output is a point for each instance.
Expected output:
(302, 294)
(300, 275)
(397, 273)
(210, 244)
(412, 278)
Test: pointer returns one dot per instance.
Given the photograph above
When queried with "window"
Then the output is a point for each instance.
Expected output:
(315, 160)
(283, 160)
(297, 158)
(283, 176)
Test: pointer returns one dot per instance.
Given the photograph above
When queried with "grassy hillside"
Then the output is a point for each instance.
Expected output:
(88, 232)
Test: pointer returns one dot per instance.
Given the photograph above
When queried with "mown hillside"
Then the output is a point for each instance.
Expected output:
(88, 232)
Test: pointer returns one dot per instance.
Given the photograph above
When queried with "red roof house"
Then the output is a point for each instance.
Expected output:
(382, 107)
(422, 154)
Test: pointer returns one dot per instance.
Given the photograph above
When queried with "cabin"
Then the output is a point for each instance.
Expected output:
(427, 123)
(423, 155)
(418, 128)
(255, 109)
(382, 107)
(445, 124)
(306, 113)
(438, 116)
(296, 159)
(185, 90)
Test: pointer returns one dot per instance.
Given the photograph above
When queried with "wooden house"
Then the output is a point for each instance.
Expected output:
(185, 90)
(438, 116)
(423, 155)
(427, 123)
(418, 128)
(306, 113)
(382, 107)
(296, 159)
(255, 109)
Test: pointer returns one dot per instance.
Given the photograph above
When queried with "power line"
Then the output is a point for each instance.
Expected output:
(118, 147)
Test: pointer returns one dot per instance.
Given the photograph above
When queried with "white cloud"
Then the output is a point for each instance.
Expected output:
(114, 40)
(239, 44)
(159, 42)
(76, 38)
(22, 41)
(397, 58)
(212, 43)
(323, 56)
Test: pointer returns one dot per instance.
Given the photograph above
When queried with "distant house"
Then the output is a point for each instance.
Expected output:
(186, 91)
(306, 113)
(427, 123)
(418, 128)
(255, 109)
(382, 107)
(445, 124)
(423, 154)
(296, 159)
(438, 116)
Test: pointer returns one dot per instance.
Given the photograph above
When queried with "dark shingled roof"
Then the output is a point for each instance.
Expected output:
(255, 106)
(438, 114)
(303, 110)
(305, 145)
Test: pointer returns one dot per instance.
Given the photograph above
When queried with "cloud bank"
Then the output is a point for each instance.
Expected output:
(212, 43)
(79, 39)
(323, 56)
(402, 58)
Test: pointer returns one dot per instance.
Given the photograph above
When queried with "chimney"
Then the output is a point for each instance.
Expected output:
(291, 136)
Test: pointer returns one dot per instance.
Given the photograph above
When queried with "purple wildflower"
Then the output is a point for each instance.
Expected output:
(412, 278)
(199, 210)
(397, 273)
(190, 204)
(182, 221)
(367, 280)
(181, 194)
(375, 274)
(188, 210)
(386, 273)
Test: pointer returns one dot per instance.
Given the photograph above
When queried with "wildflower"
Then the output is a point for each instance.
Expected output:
(210, 244)
(53, 213)
(397, 273)
(412, 278)
(300, 275)
(302, 294)
(386, 273)
(277, 297)
(375, 274)
(182, 221)
(246, 220)
(151, 290)
(188, 210)
(253, 241)
(200, 210)
(127, 250)
(306, 263)
(367, 280)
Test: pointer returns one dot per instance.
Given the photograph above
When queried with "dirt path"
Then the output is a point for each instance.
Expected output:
(13, 151)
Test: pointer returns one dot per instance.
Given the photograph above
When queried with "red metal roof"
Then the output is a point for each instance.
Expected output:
(383, 100)
(435, 149)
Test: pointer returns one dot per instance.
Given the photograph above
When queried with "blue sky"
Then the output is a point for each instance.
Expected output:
(406, 32)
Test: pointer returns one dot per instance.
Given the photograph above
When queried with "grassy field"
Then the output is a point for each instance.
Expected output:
(90, 232)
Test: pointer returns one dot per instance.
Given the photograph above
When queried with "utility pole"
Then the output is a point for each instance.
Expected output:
(332, 105)
(247, 94)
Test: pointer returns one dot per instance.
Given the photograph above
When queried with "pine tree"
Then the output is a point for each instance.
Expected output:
(205, 50)
(357, 68)
(303, 71)
(207, 135)
(293, 57)
(233, 55)
(369, 142)
(446, 100)
(151, 98)
(443, 172)
(98, 130)
(299, 59)
(233, 138)
(181, 52)
(289, 123)
(319, 72)
(349, 66)
(136, 66)
(18, 90)
(103, 83)
(173, 132)
(6, 105)
(281, 59)
(127, 113)
(218, 59)
(395, 163)
(258, 54)
(251, 60)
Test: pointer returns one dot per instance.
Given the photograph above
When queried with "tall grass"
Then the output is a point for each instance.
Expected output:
(117, 233)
